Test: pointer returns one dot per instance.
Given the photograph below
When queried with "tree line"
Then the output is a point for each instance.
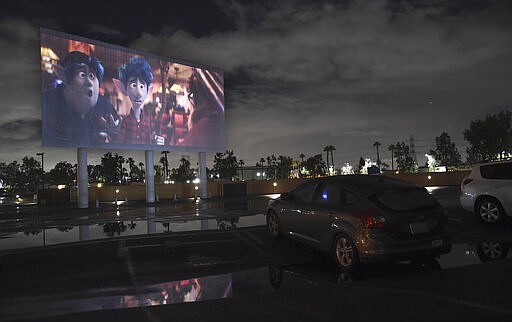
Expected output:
(488, 139)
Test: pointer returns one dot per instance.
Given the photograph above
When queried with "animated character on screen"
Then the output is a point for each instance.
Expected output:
(206, 122)
(74, 113)
(134, 81)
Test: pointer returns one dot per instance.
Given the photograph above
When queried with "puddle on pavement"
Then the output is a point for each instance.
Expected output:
(52, 235)
(260, 280)
(197, 289)
(30, 229)
(33, 230)
(469, 254)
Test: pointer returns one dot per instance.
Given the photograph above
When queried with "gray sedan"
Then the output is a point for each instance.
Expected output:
(361, 218)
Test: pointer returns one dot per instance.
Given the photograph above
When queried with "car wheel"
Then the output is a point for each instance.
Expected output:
(345, 253)
(489, 210)
(273, 226)
(489, 251)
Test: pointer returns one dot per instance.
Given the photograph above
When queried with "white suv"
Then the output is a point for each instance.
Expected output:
(488, 191)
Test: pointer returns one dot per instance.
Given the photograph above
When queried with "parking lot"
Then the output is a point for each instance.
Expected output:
(226, 267)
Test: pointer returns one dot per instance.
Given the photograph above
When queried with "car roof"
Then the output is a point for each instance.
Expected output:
(492, 162)
(368, 184)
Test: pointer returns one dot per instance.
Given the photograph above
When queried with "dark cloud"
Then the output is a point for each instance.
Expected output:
(19, 57)
(21, 130)
(102, 32)
(301, 75)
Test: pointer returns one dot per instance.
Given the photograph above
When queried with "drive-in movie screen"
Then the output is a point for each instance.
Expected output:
(97, 95)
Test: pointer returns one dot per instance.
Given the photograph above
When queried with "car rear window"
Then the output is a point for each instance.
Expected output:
(501, 171)
(331, 195)
(406, 199)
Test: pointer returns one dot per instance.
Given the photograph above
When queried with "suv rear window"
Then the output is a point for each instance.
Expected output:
(497, 171)
(406, 199)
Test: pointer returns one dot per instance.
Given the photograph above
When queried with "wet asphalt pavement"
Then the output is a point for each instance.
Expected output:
(209, 266)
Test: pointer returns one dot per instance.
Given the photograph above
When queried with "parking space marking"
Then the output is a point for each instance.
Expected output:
(253, 237)
(253, 243)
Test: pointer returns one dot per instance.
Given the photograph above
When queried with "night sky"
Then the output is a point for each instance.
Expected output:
(299, 75)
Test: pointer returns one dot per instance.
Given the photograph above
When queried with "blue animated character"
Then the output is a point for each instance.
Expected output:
(135, 78)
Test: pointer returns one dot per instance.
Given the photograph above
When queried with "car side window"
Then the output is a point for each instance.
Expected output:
(350, 198)
(330, 195)
(304, 193)
(501, 171)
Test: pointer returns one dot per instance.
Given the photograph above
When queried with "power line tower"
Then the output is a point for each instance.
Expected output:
(412, 148)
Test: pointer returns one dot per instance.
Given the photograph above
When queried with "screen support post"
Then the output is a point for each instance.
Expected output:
(83, 190)
(150, 177)
(202, 175)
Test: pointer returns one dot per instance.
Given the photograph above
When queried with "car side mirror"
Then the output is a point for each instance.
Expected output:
(286, 196)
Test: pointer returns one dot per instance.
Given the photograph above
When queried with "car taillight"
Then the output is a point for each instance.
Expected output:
(371, 218)
(465, 182)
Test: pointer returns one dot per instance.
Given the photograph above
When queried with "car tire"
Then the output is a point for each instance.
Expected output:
(489, 251)
(273, 225)
(345, 253)
(489, 210)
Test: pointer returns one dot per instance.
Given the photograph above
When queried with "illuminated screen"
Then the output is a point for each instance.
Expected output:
(104, 96)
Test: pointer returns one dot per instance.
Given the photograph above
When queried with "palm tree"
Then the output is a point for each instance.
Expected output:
(332, 155)
(165, 163)
(241, 164)
(273, 167)
(133, 172)
(392, 149)
(328, 149)
(376, 144)
(262, 164)
(302, 164)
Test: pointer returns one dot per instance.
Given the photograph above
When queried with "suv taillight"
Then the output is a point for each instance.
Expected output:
(371, 218)
(465, 182)
(373, 222)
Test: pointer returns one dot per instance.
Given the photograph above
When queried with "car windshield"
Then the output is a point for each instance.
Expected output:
(406, 199)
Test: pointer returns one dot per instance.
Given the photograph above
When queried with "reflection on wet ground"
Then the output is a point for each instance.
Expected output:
(468, 254)
(243, 283)
(172, 292)
(203, 275)
(22, 227)
(461, 255)
(195, 289)
(31, 228)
